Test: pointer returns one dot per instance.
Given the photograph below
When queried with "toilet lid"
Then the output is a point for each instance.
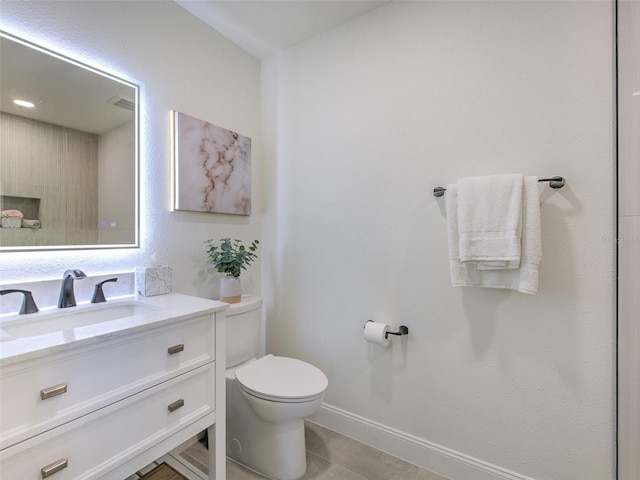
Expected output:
(282, 377)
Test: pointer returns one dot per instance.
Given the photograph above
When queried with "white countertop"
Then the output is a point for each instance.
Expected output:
(162, 309)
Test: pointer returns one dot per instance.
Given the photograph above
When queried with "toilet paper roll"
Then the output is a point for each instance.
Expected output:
(375, 332)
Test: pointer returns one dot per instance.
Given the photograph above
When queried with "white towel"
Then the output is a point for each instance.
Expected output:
(523, 279)
(30, 223)
(490, 220)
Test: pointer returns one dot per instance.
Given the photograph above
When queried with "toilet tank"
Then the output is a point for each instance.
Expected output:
(243, 330)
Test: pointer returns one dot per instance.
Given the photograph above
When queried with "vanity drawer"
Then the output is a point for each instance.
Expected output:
(93, 445)
(38, 395)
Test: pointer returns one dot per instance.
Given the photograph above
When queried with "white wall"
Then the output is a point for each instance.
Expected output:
(361, 123)
(181, 64)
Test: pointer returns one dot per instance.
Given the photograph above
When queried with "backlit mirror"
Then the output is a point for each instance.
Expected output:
(68, 156)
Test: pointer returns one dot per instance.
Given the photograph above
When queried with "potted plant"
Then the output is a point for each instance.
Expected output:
(230, 257)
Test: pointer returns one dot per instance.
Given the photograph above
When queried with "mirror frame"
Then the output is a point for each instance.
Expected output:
(119, 79)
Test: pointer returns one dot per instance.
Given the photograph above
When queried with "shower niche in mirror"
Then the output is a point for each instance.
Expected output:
(68, 152)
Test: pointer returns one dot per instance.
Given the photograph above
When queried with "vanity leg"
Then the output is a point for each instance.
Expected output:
(218, 431)
(217, 452)
(214, 461)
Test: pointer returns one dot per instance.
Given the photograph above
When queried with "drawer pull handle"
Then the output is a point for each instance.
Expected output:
(53, 391)
(175, 349)
(54, 467)
(176, 405)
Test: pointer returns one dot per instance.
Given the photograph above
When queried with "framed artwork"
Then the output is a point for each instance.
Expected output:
(212, 167)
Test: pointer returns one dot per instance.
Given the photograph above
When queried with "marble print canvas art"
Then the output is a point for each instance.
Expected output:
(212, 167)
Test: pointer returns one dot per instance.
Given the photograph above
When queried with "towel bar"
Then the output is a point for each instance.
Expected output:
(554, 182)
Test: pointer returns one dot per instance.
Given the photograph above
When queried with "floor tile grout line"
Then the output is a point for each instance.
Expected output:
(335, 465)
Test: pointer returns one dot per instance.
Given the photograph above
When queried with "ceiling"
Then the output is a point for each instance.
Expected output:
(64, 92)
(265, 27)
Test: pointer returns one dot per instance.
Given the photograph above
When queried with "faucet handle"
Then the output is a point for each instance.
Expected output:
(98, 294)
(28, 303)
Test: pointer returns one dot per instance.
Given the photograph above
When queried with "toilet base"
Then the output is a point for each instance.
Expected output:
(275, 450)
(278, 454)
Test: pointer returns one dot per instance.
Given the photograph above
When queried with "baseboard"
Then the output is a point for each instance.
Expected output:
(444, 461)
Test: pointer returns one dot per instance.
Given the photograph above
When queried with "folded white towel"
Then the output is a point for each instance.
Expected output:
(30, 223)
(523, 279)
(489, 220)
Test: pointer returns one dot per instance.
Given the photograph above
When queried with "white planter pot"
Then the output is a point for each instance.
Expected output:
(230, 289)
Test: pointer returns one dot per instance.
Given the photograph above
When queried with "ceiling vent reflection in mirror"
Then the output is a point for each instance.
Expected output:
(120, 101)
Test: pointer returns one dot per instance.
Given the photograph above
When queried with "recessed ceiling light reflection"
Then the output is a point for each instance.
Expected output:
(24, 103)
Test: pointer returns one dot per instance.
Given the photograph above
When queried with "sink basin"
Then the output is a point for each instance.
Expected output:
(41, 324)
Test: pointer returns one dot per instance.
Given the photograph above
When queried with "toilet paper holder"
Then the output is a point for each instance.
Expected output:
(402, 330)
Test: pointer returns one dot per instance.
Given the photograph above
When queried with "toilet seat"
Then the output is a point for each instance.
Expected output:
(282, 379)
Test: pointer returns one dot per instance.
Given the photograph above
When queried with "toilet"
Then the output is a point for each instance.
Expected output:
(268, 398)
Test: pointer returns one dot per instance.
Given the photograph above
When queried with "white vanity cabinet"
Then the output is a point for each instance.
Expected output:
(105, 406)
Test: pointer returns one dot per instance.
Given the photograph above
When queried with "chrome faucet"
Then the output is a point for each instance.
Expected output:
(67, 297)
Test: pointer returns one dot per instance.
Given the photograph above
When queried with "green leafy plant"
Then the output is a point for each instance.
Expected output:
(231, 256)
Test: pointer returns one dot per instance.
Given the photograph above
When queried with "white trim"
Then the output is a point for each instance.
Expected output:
(431, 456)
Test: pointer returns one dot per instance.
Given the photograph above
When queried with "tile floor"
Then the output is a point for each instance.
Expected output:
(330, 456)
